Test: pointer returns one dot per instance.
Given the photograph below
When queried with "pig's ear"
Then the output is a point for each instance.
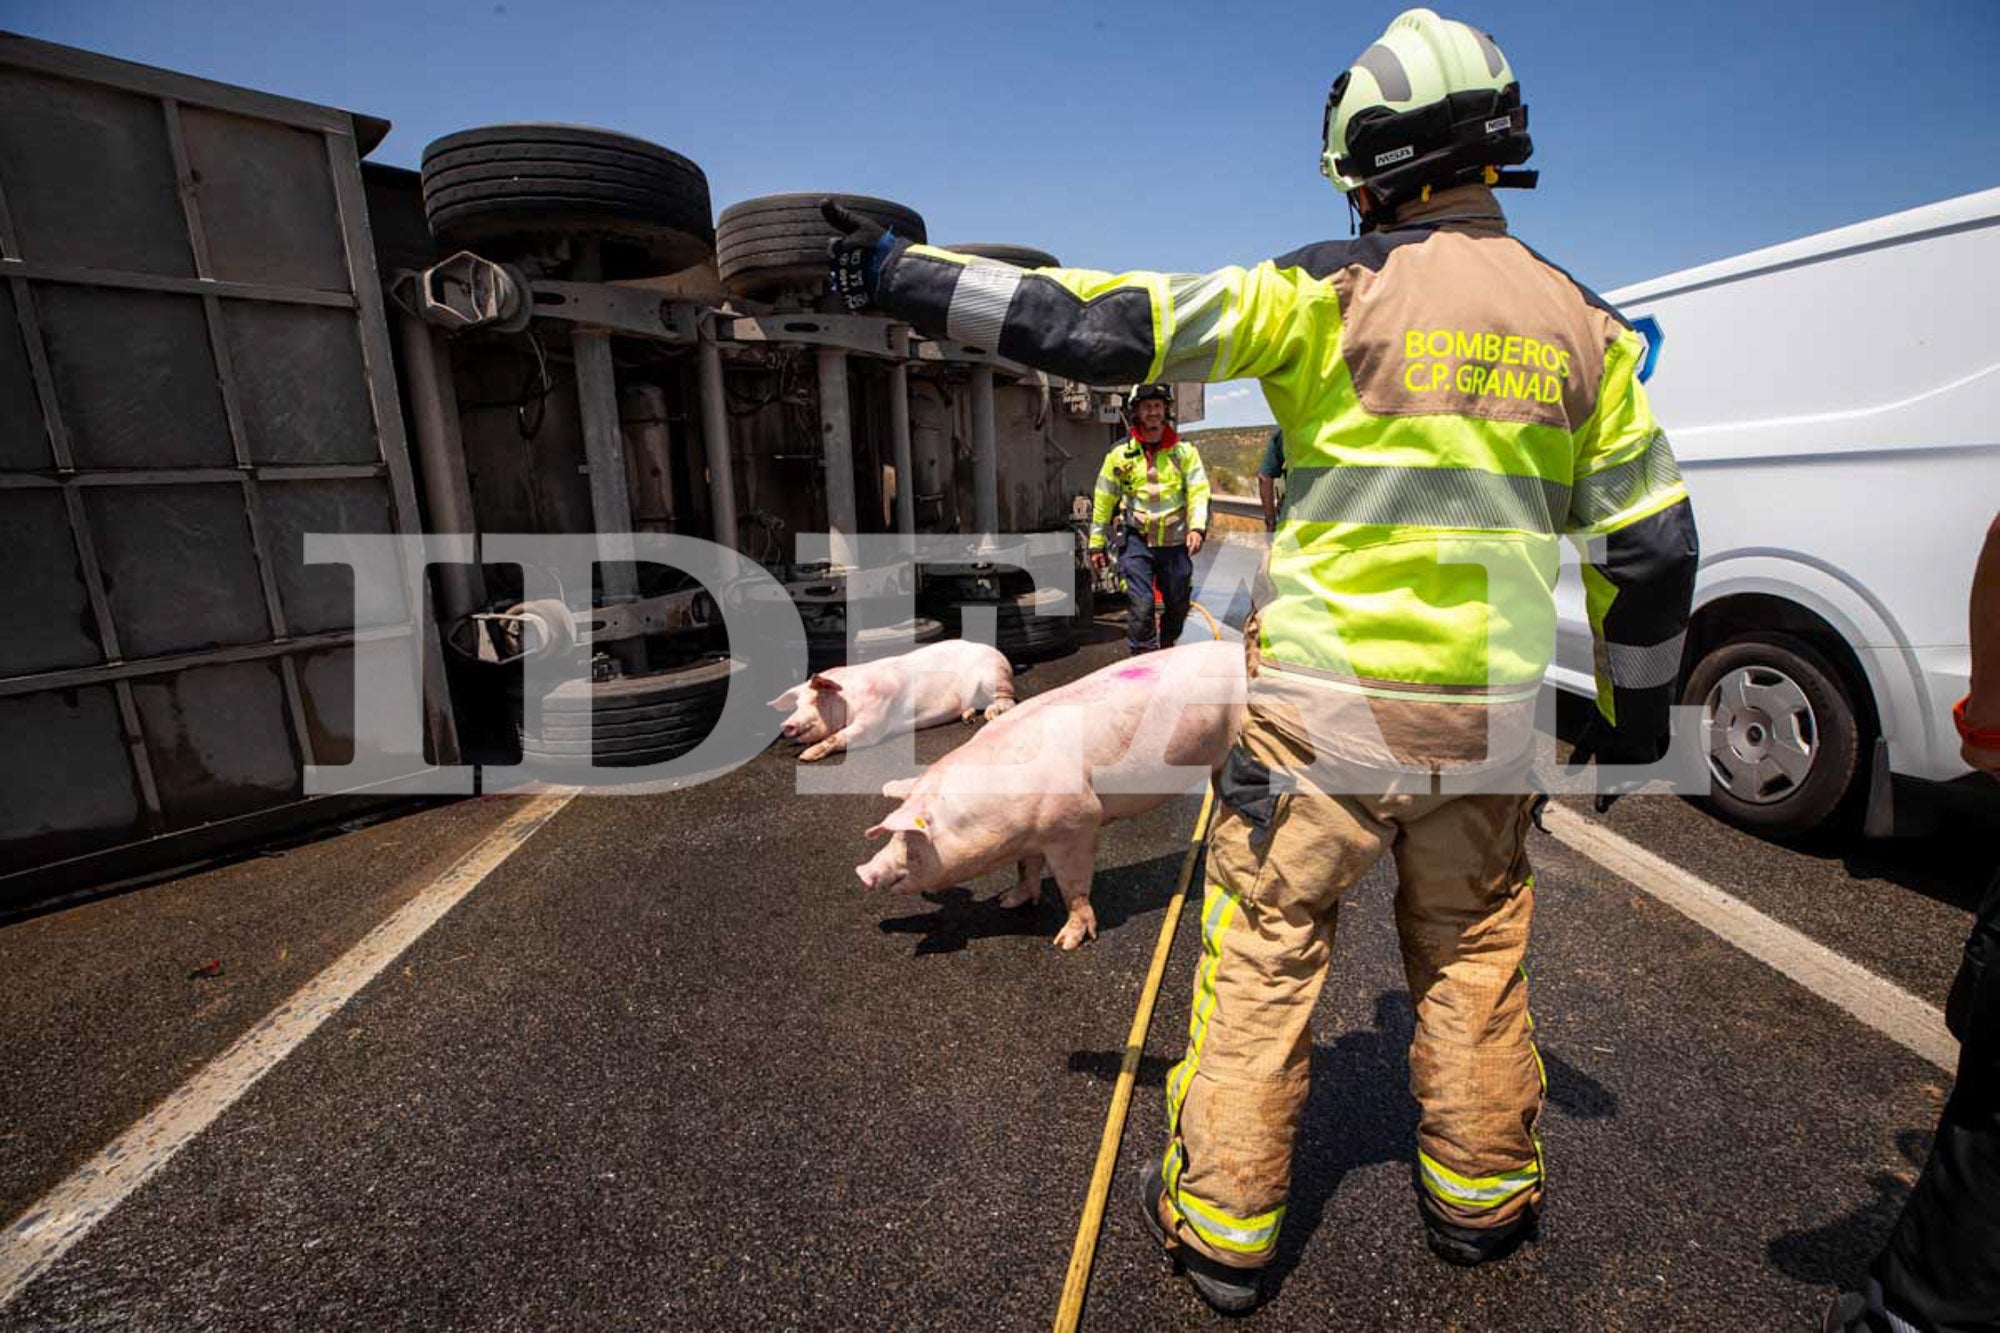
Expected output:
(900, 788)
(787, 701)
(903, 819)
(825, 683)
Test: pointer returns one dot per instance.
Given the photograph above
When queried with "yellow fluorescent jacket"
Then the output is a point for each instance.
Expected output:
(1165, 497)
(1452, 404)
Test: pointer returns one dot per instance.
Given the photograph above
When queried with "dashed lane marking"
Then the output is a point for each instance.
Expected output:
(1882, 1005)
(46, 1230)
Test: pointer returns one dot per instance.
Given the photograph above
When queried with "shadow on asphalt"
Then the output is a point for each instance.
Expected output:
(1116, 895)
(1952, 868)
(1360, 1114)
(1838, 1253)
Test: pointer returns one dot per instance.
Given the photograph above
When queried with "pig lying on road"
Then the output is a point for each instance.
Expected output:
(853, 706)
(1035, 787)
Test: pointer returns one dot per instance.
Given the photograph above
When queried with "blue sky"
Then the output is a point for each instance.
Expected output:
(1163, 135)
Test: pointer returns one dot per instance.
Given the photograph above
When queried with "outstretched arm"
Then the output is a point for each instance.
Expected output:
(1098, 328)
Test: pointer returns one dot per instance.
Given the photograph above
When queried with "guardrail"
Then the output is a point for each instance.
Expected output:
(1246, 510)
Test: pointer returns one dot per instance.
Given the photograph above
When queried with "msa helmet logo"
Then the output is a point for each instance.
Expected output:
(1502, 123)
(1395, 155)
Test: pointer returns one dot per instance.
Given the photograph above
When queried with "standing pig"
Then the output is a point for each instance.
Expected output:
(854, 706)
(1035, 787)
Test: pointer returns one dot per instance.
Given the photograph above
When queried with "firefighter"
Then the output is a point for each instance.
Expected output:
(1159, 480)
(1452, 407)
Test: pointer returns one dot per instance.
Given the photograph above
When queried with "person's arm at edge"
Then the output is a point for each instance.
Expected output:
(1982, 708)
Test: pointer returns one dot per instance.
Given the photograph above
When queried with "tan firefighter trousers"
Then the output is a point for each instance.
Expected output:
(1279, 857)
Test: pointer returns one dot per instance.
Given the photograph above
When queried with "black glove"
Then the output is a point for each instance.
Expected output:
(854, 257)
(1607, 745)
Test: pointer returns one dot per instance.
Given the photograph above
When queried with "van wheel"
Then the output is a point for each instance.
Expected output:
(1781, 732)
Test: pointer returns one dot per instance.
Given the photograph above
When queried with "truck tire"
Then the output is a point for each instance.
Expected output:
(1783, 734)
(505, 189)
(831, 650)
(1020, 256)
(779, 240)
(631, 720)
(1028, 628)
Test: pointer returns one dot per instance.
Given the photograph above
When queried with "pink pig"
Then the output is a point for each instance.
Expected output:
(854, 706)
(1035, 787)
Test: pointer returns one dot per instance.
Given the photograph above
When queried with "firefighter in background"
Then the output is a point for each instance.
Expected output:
(1270, 471)
(1452, 406)
(1159, 480)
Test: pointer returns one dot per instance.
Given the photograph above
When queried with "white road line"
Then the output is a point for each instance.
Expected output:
(1880, 1004)
(59, 1219)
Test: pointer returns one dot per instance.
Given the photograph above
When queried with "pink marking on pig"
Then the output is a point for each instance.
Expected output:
(1036, 789)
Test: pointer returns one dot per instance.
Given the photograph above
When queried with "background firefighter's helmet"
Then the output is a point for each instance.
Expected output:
(1433, 102)
(1141, 393)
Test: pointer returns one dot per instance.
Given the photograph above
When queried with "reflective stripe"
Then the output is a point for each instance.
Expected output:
(1157, 505)
(1481, 1192)
(1247, 1235)
(1604, 495)
(1251, 1236)
(1158, 535)
(1638, 667)
(1204, 314)
(1217, 909)
(979, 303)
(1426, 497)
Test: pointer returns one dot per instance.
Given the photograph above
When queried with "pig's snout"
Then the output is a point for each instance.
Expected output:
(876, 874)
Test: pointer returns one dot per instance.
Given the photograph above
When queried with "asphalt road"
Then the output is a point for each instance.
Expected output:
(668, 1066)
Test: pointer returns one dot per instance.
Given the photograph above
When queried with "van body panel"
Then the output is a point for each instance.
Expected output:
(1835, 406)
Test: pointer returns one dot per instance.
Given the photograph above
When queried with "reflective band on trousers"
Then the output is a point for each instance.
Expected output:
(1426, 497)
(1244, 1235)
(1475, 1191)
(1218, 909)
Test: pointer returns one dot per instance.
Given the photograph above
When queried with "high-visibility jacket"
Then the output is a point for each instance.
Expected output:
(1451, 403)
(1165, 493)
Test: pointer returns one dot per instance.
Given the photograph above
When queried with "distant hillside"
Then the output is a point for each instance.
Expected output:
(1231, 455)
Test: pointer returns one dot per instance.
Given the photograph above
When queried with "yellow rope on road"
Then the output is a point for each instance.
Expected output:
(1070, 1312)
(1213, 628)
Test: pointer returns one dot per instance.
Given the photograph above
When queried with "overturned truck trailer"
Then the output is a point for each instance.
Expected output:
(223, 330)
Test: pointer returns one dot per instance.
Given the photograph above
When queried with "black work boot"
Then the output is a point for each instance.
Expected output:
(1227, 1289)
(1853, 1312)
(1470, 1246)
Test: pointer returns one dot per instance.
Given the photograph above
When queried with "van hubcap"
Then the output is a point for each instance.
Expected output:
(1761, 734)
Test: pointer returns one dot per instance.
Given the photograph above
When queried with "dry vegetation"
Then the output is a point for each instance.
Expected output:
(1231, 454)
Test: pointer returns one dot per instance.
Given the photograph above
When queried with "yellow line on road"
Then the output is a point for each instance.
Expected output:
(1070, 1312)
(62, 1217)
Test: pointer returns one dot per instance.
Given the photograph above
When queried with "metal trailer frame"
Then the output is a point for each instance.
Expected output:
(344, 138)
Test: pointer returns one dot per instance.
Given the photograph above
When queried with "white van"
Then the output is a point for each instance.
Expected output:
(1835, 406)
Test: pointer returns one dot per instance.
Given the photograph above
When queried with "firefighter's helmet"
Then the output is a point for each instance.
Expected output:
(1434, 102)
